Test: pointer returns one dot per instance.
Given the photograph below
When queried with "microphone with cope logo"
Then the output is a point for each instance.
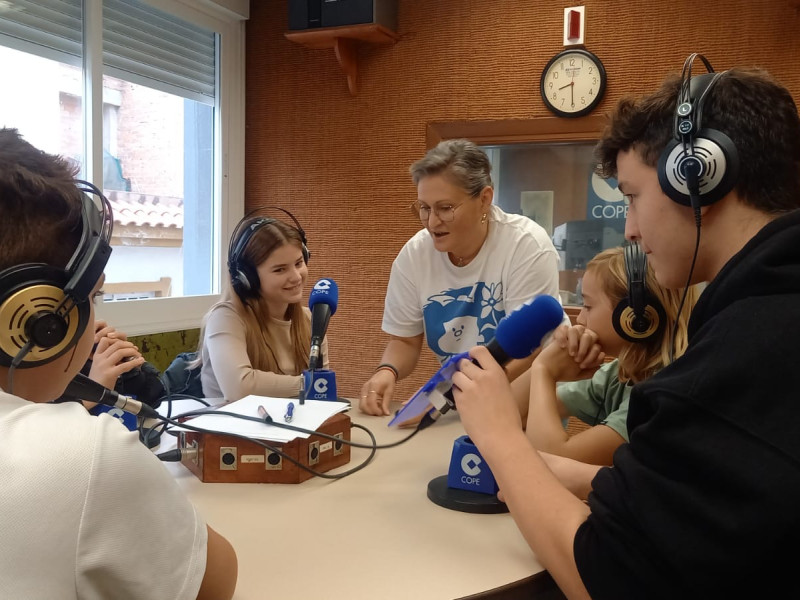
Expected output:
(320, 384)
(469, 485)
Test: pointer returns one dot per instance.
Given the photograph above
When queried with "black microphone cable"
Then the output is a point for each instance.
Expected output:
(373, 446)
(15, 362)
(307, 388)
(694, 198)
(150, 435)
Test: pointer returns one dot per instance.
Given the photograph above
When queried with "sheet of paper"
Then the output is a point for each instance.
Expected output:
(307, 416)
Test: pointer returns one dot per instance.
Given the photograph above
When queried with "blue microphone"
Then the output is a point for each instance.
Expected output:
(322, 301)
(517, 335)
(522, 330)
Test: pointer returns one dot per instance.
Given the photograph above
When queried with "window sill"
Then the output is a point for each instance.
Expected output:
(155, 315)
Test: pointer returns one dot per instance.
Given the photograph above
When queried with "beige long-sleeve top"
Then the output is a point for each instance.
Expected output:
(227, 372)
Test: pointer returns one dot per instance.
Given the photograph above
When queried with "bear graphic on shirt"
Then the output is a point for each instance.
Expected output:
(458, 318)
(460, 334)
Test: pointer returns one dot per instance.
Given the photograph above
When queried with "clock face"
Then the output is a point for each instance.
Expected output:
(573, 83)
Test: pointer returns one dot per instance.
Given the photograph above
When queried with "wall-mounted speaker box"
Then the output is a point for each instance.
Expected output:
(309, 14)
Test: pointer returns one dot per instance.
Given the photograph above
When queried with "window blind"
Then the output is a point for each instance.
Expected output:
(140, 42)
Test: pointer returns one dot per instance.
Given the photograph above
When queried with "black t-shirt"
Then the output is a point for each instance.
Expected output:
(703, 501)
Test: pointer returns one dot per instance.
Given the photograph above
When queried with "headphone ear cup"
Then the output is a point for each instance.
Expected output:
(31, 294)
(245, 280)
(719, 157)
(306, 253)
(638, 328)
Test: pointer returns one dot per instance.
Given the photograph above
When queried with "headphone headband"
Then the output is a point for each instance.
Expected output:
(700, 165)
(94, 249)
(244, 276)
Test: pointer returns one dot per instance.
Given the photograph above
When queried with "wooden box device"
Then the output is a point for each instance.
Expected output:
(225, 459)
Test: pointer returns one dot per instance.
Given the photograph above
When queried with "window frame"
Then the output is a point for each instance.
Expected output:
(227, 18)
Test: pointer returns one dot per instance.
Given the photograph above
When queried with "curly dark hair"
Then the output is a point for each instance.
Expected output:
(749, 106)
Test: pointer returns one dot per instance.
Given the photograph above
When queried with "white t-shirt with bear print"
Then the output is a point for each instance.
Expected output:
(459, 307)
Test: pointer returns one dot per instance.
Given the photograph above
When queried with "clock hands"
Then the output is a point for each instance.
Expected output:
(571, 86)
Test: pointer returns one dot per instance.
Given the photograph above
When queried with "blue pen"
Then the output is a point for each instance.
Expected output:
(289, 412)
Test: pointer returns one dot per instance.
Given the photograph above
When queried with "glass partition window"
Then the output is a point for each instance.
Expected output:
(554, 184)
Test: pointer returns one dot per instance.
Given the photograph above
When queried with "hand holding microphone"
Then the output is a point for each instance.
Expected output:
(481, 389)
(113, 355)
(483, 396)
(517, 335)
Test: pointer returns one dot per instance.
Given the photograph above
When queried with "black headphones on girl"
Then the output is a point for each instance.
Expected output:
(640, 316)
(244, 276)
(44, 309)
(700, 165)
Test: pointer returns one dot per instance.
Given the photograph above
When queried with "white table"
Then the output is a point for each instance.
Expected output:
(372, 535)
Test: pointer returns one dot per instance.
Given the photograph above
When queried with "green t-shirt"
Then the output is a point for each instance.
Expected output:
(601, 400)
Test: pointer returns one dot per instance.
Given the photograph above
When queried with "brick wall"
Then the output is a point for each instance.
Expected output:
(341, 162)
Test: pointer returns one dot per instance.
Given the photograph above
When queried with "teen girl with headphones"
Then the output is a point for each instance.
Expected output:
(256, 340)
(625, 314)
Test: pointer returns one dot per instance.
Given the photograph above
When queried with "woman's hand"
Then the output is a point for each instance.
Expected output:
(377, 393)
(572, 354)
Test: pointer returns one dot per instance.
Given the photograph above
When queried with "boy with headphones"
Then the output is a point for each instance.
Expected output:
(702, 501)
(86, 511)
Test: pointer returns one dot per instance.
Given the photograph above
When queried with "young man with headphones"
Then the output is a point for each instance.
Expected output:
(86, 511)
(702, 502)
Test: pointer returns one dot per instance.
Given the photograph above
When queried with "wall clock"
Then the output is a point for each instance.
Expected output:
(573, 83)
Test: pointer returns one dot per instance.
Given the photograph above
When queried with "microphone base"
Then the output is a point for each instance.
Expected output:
(463, 500)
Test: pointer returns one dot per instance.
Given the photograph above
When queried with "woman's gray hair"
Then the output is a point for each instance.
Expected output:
(465, 163)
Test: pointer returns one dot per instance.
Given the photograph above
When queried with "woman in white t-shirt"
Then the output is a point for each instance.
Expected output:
(456, 278)
(256, 340)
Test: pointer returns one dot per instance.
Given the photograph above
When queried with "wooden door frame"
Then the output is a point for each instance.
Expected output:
(518, 131)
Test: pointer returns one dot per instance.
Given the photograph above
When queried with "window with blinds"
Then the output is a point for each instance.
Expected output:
(140, 42)
(159, 124)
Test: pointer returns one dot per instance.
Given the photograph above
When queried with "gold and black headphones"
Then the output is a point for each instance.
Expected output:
(244, 276)
(700, 165)
(44, 309)
(640, 316)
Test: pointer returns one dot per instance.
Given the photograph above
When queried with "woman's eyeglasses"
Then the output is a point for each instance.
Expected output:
(445, 213)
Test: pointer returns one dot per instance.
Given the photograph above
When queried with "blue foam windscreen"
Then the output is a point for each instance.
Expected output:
(325, 292)
(521, 331)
